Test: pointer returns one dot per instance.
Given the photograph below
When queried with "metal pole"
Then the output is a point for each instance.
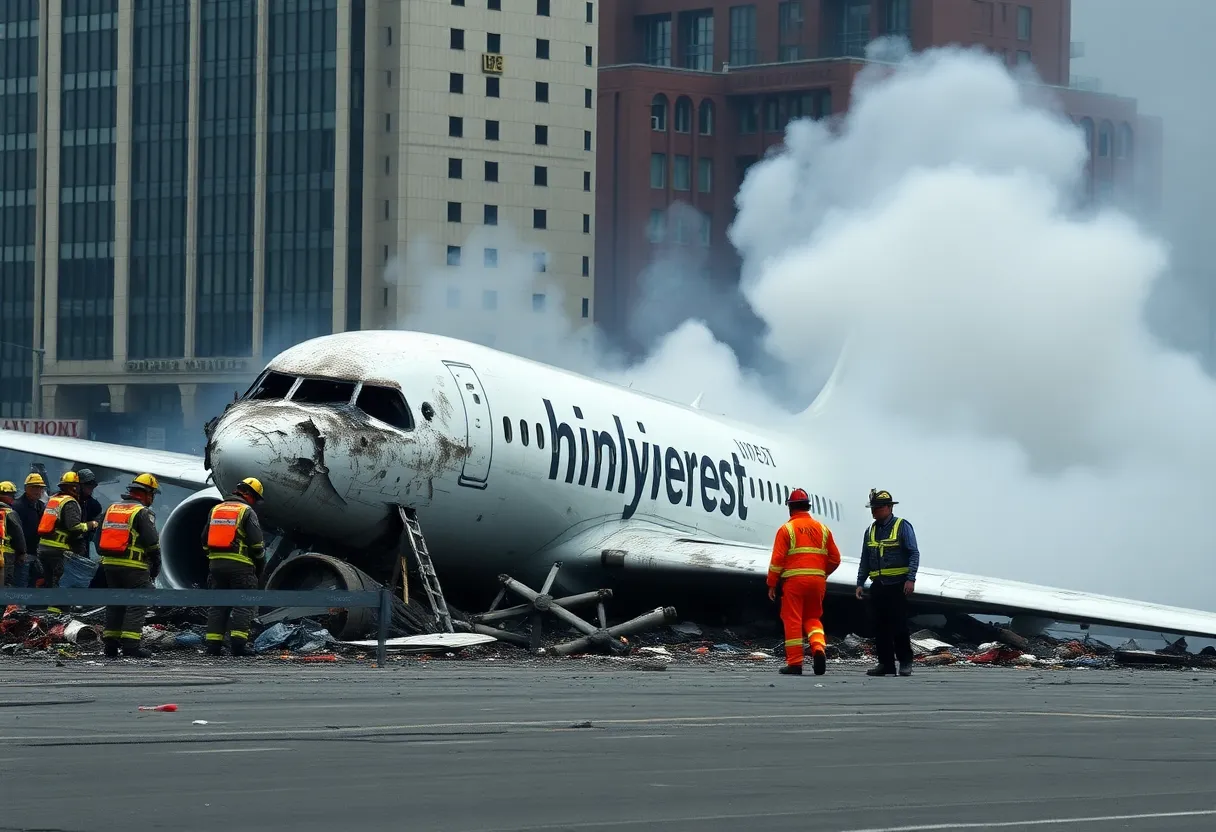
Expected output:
(386, 602)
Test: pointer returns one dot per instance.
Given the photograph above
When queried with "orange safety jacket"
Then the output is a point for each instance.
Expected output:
(6, 545)
(803, 546)
(119, 543)
(49, 532)
(225, 536)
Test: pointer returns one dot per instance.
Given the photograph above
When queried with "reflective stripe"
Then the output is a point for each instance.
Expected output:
(801, 567)
(891, 541)
(6, 548)
(119, 543)
(791, 642)
(238, 634)
(794, 573)
(229, 556)
(774, 569)
(131, 636)
(111, 634)
(889, 573)
(215, 636)
(132, 564)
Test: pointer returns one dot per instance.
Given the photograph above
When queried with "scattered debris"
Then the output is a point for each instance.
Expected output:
(170, 708)
(436, 643)
(304, 637)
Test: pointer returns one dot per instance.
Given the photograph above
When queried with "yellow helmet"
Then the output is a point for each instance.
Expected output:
(35, 479)
(254, 485)
(7, 487)
(147, 482)
(70, 478)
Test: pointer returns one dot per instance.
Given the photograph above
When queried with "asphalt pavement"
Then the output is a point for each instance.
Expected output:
(585, 745)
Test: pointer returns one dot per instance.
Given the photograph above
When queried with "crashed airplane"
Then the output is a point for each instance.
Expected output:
(511, 465)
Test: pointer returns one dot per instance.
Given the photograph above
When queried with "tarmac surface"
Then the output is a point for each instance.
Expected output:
(586, 745)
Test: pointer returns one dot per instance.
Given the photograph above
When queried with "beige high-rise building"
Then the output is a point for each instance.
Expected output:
(189, 186)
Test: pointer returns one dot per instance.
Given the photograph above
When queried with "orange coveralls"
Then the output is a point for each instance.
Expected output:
(804, 554)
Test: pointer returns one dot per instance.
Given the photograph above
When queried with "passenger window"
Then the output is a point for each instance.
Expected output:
(271, 386)
(506, 428)
(770, 491)
(540, 437)
(324, 391)
(387, 405)
(523, 432)
(751, 485)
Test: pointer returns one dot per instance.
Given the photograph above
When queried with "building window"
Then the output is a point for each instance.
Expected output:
(705, 118)
(388, 77)
(453, 255)
(489, 301)
(772, 115)
(742, 163)
(586, 301)
(542, 49)
(1105, 130)
(587, 99)
(489, 258)
(388, 35)
(658, 113)
(453, 297)
(457, 39)
(540, 176)
(658, 170)
(590, 12)
(455, 169)
(656, 40)
(387, 209)
(1087, 126)
(491, 130)
(388, 165)
(456, 83)
(492, 88)
(1123, 141)
(705, 175)
(542, 92)
(538, 302)
(683, 119)
(785, 54)
(539, 262)
(587, 181)
(1024, 22)
(789, 16)
(748, 116)
(490, 215)
(542, 8)
(388, 122)
(587, 140)
(542, 134)
(455, 127)
(586, 266)
(655, 228)
(453, 212)
(743, 35)
(697, 36)
(681, 173)
(707, 224)
(1024, 58)
(457, 2)
(589, 56)
(493, 43)
(854, 28)
(899, 17)
(494, 5)
(491, 171)
(586, 223)
(540, 218)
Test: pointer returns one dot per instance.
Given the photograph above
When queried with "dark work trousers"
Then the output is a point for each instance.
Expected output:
(891, 624)
(10, 568)
(126, 623)
(228, 574)
(52, 565)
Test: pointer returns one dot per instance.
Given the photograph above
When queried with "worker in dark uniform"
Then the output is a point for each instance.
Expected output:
(61, 530)
(29, 507)
(90, 507)
(12, 537)
(889, 558)
(130, 555)
(235, 550)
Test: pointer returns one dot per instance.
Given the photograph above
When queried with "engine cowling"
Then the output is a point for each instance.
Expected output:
(183, 561)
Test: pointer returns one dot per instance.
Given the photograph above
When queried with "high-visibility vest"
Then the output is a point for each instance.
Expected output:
(119, 543)
(886, 558)
(6, 545)
(225, 540)
(49, 532)
(810, 558)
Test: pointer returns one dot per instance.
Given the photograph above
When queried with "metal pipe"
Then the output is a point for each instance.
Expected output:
(524, 609)
(547, 605)
(607, 638)
(501, 635)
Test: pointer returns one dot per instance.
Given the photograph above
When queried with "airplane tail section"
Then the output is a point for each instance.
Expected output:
(825, 393)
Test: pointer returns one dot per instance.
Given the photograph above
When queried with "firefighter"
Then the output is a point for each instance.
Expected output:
(130, 555)
(90, 508)
(12, 536)
(234, 544)
(889, 558)
(29, 507)
(804, 554)
(61, 530)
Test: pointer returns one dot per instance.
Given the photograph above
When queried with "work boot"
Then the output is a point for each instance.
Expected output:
(820, 662)
(132, 650)
(238, 647)
(905, 668)
(791, 670)
(111, 648)
(215, 648)
(881, 670)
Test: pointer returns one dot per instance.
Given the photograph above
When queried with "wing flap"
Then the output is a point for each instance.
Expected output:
(169, 467)
(657, 549)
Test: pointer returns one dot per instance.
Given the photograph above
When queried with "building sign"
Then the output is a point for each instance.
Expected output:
(188, 365)
(492, 63)
(73, 428)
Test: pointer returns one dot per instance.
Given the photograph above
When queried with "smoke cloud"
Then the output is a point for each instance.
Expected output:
(999, 377)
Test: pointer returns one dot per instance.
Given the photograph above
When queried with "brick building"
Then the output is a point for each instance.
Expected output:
(692, 92)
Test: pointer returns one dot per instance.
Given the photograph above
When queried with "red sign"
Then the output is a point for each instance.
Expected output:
(72, 428)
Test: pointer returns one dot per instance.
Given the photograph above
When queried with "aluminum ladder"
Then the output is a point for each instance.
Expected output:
(426, 569)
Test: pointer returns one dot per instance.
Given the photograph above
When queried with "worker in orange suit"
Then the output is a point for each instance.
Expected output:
(804, 554)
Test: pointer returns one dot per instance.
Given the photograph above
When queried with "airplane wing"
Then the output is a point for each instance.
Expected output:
(632, 546)
(169, 467)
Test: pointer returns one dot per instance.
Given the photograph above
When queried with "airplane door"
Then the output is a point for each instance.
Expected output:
(477, 417)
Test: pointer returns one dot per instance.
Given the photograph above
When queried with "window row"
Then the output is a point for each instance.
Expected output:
(490, 260)
(683, 225)
(489, 302)
(494, 45)
(681, 173)
(779, 110)
(494, 88)
(540, 173)
(682, 122)
(542, 8)
(493, 131)
(1108, 139)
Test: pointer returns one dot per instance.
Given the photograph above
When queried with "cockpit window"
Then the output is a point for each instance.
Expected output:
(324, 391)
(387, 405)
(271, 386)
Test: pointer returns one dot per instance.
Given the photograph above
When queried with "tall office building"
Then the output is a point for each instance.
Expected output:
(189, 186)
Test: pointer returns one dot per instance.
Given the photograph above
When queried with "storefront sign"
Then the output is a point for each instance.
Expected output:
(73, 428)
(188, 365)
